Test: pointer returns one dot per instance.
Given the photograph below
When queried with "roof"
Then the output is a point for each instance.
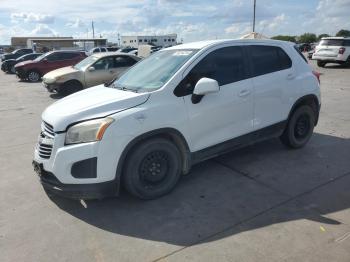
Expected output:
(203, 44)
(335, 37)
(68, 39)
(104, 54)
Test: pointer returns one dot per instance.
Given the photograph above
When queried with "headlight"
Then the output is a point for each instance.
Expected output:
(88, 131)
(49, 80)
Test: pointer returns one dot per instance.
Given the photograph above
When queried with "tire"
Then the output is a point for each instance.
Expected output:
(321, 63)
(299, 128)
(33, 76)
(70, 88)
(152, 169)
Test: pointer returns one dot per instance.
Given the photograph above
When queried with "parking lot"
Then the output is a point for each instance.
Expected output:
(261, 203)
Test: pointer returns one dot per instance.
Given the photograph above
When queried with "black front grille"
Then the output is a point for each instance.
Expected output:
(46, 140)
(44, 150)
(47, 128)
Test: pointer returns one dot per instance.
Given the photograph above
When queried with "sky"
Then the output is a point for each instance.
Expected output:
(191, 20)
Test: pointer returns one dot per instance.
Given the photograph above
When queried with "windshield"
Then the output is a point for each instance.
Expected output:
(86, 62)
(153, 72)
(41, 57)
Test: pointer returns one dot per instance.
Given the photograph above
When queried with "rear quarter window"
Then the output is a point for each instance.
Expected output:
(300, 53)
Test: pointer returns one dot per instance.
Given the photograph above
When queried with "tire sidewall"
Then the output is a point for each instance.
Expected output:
(131, 173)
(293, 141)
(33, 81)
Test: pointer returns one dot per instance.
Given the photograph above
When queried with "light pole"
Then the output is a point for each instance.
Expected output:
(254, 16)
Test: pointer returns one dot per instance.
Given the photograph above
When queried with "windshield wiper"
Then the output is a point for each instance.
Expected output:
(109, 84)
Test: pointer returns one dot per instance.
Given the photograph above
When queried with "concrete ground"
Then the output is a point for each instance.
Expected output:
(261, 203)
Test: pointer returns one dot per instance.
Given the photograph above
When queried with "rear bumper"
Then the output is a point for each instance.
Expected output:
(75, 191)
(330, 59)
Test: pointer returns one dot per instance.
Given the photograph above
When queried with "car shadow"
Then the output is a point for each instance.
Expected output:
(251, 188)
(337, 66)
(56, 96)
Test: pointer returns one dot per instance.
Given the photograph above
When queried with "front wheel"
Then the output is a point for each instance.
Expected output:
(13, 70)
(152, 169)
(299, 128)
(321, 63)
(33, 76)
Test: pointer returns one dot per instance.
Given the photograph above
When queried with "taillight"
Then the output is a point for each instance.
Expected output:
(317, 74)
(341, 50)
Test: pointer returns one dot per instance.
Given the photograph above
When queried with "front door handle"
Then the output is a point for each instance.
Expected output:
(244, 93)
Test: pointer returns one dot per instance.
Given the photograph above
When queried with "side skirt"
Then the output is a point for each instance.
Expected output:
(272, 131)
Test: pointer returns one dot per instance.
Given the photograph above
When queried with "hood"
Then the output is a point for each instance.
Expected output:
(25, 63)
(9, 60)
(94, 102)
(65, 71)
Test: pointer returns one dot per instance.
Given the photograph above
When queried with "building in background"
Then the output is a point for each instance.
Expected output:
(156, 40)
(21, 41)
(57, 43)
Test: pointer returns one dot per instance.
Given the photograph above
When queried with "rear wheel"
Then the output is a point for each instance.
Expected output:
(33, 76)
(321, 63)
(299, 128)
(152, 169)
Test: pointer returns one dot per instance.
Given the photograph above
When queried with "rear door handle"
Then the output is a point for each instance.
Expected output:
(244, 93)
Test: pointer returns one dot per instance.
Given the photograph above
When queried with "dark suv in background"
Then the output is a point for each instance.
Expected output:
(8, 66)
(17, 53)
(34, 70)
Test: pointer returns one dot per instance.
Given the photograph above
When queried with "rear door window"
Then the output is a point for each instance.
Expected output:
(268, 59)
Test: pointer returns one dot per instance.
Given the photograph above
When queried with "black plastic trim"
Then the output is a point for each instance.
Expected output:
(238, 142)
(86, 168)
(76, 191)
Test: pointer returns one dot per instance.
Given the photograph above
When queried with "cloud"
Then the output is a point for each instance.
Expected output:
(330, 17)
(192, 20)
(32, 18)
(77, 23)
(44, 30)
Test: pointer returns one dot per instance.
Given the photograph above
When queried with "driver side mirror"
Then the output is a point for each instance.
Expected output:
(203, 87)
(91, 69)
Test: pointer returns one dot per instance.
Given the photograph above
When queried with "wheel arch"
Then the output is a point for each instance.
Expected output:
(311, 100)
(73, 81)
(170, 134)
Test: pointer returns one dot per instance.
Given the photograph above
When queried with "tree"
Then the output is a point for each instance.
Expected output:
(322, 35)
(343, 32)
(308, 38)
(284, 38)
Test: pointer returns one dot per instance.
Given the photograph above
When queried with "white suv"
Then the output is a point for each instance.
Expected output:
(178, 107)
(332, 50)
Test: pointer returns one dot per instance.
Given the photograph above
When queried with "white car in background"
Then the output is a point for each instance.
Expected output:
(332, 50)
(173, 109)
